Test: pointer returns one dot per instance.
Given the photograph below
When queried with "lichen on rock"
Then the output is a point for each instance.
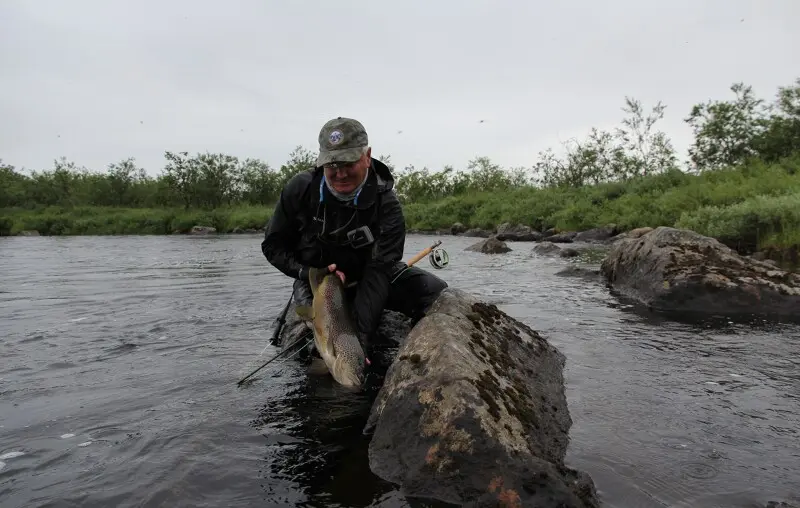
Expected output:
(473, 410)
(681, 270)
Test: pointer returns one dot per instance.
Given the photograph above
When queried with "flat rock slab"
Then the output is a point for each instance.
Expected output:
(680, 270)
(473, 412)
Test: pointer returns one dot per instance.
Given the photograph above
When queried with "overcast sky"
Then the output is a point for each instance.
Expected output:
(99, 81)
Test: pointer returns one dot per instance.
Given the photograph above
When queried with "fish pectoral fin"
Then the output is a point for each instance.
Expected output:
(305, 312)
(331, 346)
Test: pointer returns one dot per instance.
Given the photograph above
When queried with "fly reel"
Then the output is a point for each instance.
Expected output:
(438, 258)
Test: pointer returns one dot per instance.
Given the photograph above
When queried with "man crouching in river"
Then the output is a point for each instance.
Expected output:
(344, 214)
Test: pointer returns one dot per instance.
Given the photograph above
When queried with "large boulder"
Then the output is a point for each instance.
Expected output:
(680, 270)
(517, 233)
(489, 246)
(473, 412)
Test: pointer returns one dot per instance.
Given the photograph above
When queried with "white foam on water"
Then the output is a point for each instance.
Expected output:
(87, 443)
(67, 436)
(11, 455)
(711, 383)
(79, 319)
(736, 375)
(2, 465)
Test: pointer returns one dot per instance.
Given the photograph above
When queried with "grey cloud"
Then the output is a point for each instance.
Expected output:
(255, 78)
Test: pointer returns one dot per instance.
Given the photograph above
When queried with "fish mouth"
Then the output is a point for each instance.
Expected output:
(352, 380)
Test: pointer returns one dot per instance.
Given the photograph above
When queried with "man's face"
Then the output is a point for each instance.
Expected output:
(344, 177)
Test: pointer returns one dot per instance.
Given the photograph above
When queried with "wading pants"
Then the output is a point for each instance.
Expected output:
(412, 293)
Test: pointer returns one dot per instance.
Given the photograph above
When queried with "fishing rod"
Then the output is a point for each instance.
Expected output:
(437, 256)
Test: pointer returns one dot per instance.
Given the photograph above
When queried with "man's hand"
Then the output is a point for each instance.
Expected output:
(332, 268)
(304, 272)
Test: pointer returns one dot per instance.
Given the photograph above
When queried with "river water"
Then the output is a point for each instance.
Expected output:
(120, 357)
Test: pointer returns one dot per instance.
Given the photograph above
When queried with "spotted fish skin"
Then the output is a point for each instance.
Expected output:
(335, 334)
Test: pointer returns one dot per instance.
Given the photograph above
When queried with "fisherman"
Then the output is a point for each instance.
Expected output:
(344, 214)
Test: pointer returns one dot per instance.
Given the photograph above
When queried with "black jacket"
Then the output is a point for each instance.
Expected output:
(295, 237)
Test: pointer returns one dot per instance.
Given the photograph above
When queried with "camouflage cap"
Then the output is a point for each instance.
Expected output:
(341, 140)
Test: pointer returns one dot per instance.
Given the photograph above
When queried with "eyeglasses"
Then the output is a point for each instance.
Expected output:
(333, 167)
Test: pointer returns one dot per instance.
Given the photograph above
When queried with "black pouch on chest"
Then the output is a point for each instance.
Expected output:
(340, 226)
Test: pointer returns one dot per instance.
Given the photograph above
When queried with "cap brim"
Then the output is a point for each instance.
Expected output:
(344, 155)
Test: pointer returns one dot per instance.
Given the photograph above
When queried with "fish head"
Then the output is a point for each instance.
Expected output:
(350, 364)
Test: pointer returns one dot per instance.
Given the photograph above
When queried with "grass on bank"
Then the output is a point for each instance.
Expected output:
(752, 206)
(89, 220)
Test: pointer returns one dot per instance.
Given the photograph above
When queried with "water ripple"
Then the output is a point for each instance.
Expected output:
(121, 356)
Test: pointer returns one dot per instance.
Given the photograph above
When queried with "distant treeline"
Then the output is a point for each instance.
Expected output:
(740, 173)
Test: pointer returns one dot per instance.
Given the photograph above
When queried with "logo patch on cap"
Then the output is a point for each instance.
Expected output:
(336, 137)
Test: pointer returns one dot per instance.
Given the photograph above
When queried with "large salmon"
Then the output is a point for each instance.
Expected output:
(335, 334)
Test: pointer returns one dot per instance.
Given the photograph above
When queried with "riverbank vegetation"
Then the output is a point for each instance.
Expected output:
(740, 183)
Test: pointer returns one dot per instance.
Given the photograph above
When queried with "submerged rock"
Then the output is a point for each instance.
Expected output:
(489, 246)
(569, 253)
(517, 233)
(563, 237)
(477, 233)
(680, 270)
(473, 411)
(546, 248)
(579, 271)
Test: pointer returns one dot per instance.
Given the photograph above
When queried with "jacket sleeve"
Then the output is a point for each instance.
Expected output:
(282, 231)
(373, 289)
